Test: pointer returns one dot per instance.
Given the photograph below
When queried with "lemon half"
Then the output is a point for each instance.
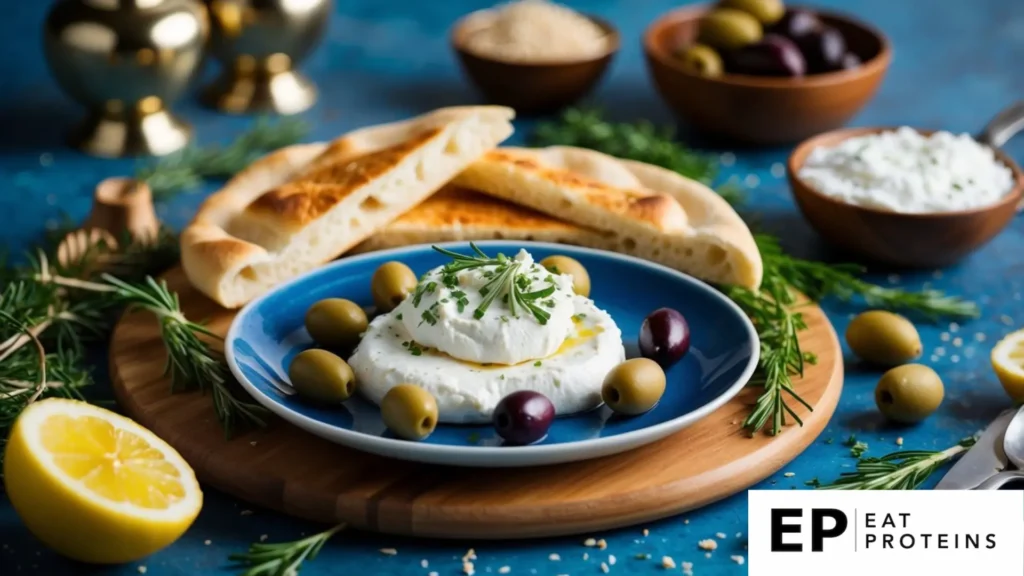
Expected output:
(1008, 362)
(94, 485)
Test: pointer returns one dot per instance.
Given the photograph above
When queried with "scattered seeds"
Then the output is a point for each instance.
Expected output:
(667, 562)
(604, 568)
(390, 552)
(707, 544)
(590, 542)
(789, 474)
(707, 554)
(686, 520)
(954, 358)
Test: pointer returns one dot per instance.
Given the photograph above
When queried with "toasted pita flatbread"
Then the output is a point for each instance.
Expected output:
(649, 212)
(454, 214)
(305, 205)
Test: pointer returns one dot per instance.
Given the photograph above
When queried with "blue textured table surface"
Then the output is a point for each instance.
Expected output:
(956, 63)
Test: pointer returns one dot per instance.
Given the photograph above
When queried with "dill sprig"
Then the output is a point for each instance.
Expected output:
(506, 279)
(282, 559)
(189, 167)
(905, 470)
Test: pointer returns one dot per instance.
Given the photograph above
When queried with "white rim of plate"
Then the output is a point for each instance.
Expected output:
(538, 450)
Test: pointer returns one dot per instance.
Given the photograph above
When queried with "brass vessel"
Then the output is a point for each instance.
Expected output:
(126, 61)
(259, 43)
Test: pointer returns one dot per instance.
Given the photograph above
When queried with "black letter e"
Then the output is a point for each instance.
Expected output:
(779, 528)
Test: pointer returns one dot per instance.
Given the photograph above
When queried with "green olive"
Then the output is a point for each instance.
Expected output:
(409, 411)
(322, 376)
(572, 267)
(391, 283)
(634, 386)
(729, 29)
(766, 11)
(336, 323)
(701, 60)
(909, 393)
(883, 338)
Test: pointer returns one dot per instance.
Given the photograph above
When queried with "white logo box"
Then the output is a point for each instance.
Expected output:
(887, 532)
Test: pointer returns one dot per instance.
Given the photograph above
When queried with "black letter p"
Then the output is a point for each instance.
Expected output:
(818, 532)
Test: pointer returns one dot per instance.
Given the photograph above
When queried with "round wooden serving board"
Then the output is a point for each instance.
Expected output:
(289, 470)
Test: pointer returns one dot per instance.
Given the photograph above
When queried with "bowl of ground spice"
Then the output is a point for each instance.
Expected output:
(533, 55)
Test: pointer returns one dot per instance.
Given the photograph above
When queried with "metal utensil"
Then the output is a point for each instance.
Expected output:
(1001, 128)
(1013, 447)
(985, 459)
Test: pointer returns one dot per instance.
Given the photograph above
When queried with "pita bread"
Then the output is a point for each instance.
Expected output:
(305, 205)
(455, 214)
(649, 212)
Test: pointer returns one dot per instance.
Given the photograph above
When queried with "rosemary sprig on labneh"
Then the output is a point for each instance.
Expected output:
(905, 470)
(506, 280)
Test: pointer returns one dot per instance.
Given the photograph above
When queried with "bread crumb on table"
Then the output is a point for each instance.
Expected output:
(601, 544)
(554, 557)
(389, 552)
(604, 568)
(720, 535)
(738, 559)
(667, 562)
(590, 542)
(707, 544)
(467, 568)
(504, 570)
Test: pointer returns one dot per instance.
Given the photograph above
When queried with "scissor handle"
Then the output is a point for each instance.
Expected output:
(1001, 479)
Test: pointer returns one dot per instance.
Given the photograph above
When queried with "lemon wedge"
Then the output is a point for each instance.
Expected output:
(94, 485)
(1008, 362)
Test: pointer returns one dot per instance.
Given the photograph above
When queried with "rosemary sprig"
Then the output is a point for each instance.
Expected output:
(507, 279)
(898, 471)
(282, 559)
(191, 362)
(641, 141)
(188, 168)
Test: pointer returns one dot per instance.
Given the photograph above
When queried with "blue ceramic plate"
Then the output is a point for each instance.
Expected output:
(267, 334)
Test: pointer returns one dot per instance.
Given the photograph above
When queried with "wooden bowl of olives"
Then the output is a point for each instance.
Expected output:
(758, 72)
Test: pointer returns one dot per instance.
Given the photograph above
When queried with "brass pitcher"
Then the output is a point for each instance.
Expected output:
(126, 61)
(259, 43)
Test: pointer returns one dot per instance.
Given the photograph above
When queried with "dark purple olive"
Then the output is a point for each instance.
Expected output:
(523, 417)
(823, 50)
(849, 61)
(774, 55)
(795, 24)
(664, 336)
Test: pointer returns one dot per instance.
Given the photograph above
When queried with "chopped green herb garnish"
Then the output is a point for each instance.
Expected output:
(537, 363)
(504, 319)
(398, 316)
(813, 482)
(858, 449)
(558, 383)
(415, 350)
(428, 317)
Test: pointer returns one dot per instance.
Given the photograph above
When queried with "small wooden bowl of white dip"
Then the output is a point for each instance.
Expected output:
(919, 239)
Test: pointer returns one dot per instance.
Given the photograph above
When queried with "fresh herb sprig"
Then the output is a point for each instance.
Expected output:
(52, 310)
(905, 470)
(506, 280)
(641, 141)
(282, 559)
(189, 167)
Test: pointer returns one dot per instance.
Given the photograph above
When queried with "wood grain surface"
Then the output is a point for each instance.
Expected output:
(286, 469)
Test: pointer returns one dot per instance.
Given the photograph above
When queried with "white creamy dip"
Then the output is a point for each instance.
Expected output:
(439, 339)
(905, 171)
(467, 392)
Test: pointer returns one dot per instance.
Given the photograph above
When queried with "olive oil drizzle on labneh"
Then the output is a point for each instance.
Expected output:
(582, 335)
(506, 279)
